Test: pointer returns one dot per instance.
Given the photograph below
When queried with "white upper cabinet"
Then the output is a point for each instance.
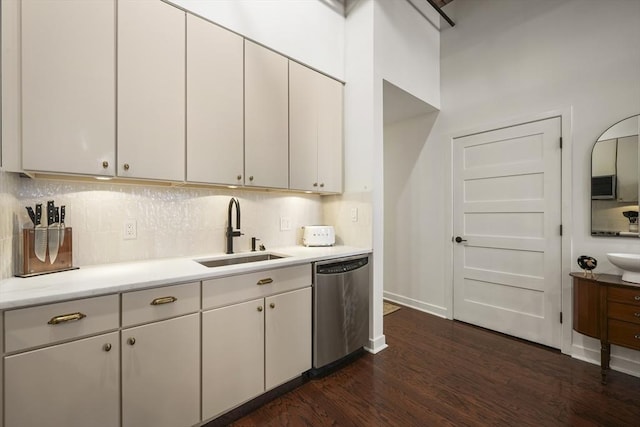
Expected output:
(266, 118)
(315, 121)
(68, 86)
(215, 152)
(151, 90)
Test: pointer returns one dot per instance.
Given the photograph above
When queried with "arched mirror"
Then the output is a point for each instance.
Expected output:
(614, 180)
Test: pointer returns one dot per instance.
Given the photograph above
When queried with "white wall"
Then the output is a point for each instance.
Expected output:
(307, 31)
(511, 59)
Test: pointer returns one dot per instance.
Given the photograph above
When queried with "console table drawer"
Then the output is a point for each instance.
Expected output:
(624, 333)
(624, 312)
(624, 295)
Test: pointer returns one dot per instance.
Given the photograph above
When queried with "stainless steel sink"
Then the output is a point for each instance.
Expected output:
(221, 262)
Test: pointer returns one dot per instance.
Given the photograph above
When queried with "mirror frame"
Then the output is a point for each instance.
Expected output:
(612, 233)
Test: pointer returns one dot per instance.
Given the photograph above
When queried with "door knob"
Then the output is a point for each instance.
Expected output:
(460, 239)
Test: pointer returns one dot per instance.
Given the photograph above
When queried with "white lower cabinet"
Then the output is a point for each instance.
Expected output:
(232, 356)
(75, 384)
(160, 373)
(252, 347)
(287, 336)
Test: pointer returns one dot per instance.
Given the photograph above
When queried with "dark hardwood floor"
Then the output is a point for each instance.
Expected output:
(438, 372)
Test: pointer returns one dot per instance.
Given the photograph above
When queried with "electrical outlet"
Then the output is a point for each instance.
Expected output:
(285, 223)
(130, 230)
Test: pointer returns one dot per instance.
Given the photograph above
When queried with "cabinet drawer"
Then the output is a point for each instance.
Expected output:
(624, 333)
(155, 304)
(243, 287)
(46, 324)
(624, 295)
(624, 312)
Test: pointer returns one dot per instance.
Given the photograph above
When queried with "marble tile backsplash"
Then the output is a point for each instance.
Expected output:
(171, 221)
(9, 221)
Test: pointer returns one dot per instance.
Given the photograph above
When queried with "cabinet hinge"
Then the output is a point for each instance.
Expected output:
(560, 317)
(561, 143)
(561, 229)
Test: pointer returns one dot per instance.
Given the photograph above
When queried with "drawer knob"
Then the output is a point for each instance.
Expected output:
(164, 300)
(637, 336)
(636, 314)
(63, 318)
(107, 347)
(637, 298)
(131, 341)
(265, 281)
(259, 308)
(272, 305)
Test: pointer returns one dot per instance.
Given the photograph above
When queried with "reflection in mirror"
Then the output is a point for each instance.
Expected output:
(614, 180)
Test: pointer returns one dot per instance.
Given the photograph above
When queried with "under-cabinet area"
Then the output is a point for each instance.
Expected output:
(167, 356)
(158, 93)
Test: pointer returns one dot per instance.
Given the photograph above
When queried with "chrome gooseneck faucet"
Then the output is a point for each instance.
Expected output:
(230, 233)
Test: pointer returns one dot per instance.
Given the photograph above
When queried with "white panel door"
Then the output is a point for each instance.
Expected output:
(151, 90)
(266, 109)
(69, 86)
(507, 212)
(215, 103)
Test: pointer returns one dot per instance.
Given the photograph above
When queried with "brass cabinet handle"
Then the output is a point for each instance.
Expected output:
(322, 184)
(272, 305)
(315, 184)
(265, 281)
(259, 308)
(126, 166)
(105, 164)
(106, 347)
(164, 300)
(239, 177)
(131, 341)
(251, 178)
(637, 336)
(71, 317)
(636, 314)
(637, 298)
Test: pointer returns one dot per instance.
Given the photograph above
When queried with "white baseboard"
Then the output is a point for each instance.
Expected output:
(376, 345)
(617, 363)
(416, 304)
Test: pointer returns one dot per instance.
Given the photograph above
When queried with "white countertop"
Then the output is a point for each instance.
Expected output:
(112, 278)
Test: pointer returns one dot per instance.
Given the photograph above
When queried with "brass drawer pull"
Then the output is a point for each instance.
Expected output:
(164, 300)
(131, 341)
(637, 298)
(265, 281)
(259, 308)
(637, 336)
(636, 314)
(71, 317)
(106, 347)
(272, 305)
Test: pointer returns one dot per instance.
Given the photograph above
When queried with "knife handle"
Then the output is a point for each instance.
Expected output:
(32, 214)
(38, 213)
(62, 213)
(50, 212)
(56, 215)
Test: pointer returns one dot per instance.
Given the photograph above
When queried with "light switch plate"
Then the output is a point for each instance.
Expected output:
(354, 214)
(285, 223)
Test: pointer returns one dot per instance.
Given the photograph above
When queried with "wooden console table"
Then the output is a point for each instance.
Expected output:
(606, 308)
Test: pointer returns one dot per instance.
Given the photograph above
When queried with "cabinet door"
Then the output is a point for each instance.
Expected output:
(68, 86)
(287, 336)
(303, 128)
(266, 118)
(232, 356)
(151, 90)
(315, 126)
(330, 131)
(73, 385)
(215, 96)
(161, 373)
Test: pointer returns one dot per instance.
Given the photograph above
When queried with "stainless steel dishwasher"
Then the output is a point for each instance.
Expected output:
(340, 308)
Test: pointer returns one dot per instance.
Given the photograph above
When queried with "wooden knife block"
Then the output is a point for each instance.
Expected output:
(32, 266)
